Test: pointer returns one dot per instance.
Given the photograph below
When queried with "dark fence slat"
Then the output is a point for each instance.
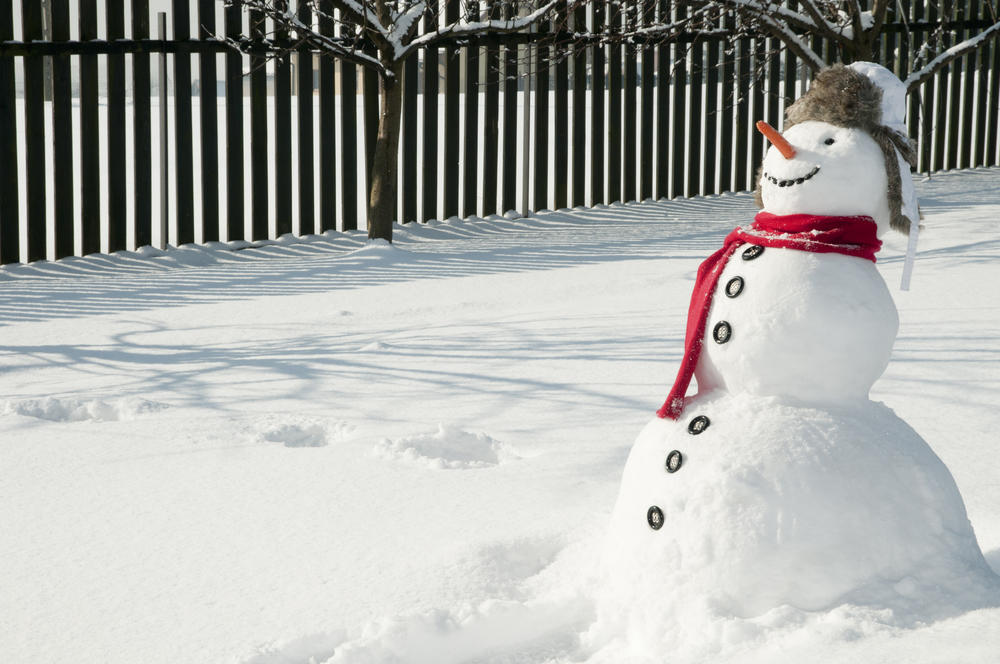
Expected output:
(183, 152)
(307, 176)
(982, 59)
(408, 212)
(142, 165)
(34, 139)
(598, 130)
(491, 127)
(541, 122)
(921, 104)
(429, 149)
(117, 196)
(614, 108)
(727, 114)
(952, 153)
(349, 138)
(560, 184)
(742, 93)
(282, 135)
(259, 182)
(757, 141)
(695, 129)
(90, 155)
(327, 128)
(62, 126)
(10, 210)
(678, 123)
(452, 147)
(773, 84)
(968, 79)
(630, 128)
(510, 96)
(939, 132)
(208, 82)
(579, 113)
(235, 202)
(663, 81)
(470, 147)
(993, 105)
(710, 161)
(646, 111)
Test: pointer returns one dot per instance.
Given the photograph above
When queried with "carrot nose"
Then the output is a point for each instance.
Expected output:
(777, 140)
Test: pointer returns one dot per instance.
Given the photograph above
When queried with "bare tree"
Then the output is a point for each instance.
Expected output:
(854, 28)
(380, 35)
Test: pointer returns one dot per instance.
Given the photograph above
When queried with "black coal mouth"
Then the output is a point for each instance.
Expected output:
(789, 183)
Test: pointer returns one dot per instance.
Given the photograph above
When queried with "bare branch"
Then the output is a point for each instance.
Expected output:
(797, 45)
(820, 22)
(854, 11)
(880, 9)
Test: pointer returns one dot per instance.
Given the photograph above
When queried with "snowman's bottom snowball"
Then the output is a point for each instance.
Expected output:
(781, 505)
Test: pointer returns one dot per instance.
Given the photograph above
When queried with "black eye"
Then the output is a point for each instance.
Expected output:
(829, 141)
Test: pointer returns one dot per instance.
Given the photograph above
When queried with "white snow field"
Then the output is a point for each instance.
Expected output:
(322, 450)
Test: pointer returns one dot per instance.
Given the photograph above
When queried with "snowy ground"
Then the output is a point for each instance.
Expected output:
(321, 449)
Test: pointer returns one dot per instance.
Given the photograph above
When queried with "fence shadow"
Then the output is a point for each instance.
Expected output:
(126, 282)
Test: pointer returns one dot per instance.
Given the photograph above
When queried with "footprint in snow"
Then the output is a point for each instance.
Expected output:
(448, 448)
(297, 431)
(82, 410)
(536, 630)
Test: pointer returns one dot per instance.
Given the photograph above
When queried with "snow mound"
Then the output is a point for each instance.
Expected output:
(298, 431)
(82, 410)
(448, 448)
(774, 506)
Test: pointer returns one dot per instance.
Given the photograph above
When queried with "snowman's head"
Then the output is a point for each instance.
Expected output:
(831, 170)
(843, 151)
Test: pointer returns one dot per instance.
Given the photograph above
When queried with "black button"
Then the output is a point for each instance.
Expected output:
(674, 461)
(734, 287)
(697, 425)
(752, 252)
(655, 517)
(722, 332)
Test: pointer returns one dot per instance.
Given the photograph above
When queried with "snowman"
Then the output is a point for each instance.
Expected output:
(779, 483)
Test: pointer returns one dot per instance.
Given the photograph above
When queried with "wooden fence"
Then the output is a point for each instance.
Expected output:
(485, 128)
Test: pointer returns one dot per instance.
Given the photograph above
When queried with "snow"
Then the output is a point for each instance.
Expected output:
(293, 497)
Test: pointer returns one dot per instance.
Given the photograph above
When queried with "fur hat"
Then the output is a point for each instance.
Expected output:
(846, 97)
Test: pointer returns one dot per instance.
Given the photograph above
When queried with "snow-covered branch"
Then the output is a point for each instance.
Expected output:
(918, 76)
(405, 23)
(282, 15)
(463, 27)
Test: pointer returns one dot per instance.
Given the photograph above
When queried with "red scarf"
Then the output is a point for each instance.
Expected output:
(851, 236)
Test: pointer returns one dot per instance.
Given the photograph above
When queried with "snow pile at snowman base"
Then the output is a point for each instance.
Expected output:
(777, 507)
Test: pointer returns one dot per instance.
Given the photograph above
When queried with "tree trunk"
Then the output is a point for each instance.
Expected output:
(385, 166)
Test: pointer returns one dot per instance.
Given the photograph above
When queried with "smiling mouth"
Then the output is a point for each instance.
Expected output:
(789, 183)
